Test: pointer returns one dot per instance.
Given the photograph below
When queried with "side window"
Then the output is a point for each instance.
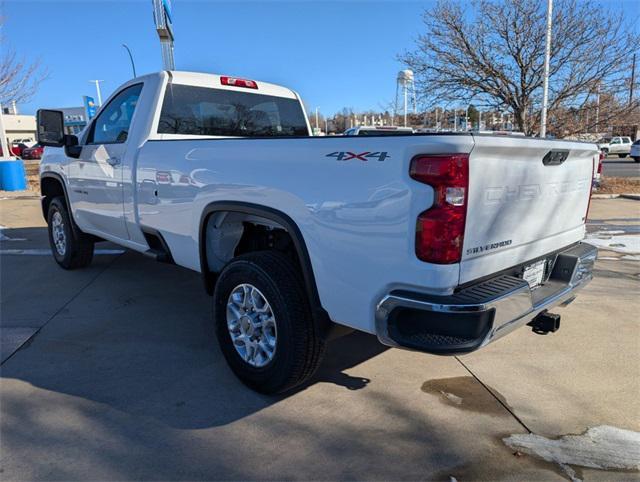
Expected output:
(112, 125)
(626, 140)
(615, 140)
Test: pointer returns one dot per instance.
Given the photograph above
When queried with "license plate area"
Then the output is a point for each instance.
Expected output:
(534, 273)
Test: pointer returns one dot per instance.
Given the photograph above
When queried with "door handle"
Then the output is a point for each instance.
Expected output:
(113, 161)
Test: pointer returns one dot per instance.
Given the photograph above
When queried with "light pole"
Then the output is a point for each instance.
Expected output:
(317, 121)
(547, 57)
(97, 82)
(133, 65)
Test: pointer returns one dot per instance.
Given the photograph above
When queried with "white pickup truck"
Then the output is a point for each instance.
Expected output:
(434, 242)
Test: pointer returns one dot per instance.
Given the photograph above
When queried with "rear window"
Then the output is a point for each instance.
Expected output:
(384, 132)
(214, 112)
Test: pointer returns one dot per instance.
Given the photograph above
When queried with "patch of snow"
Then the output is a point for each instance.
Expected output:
(602, 447)
(452, 398)
(620, 244)
(597, 234)
(631, 257)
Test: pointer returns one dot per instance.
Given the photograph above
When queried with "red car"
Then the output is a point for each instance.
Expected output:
(16, 148)
(33, 152)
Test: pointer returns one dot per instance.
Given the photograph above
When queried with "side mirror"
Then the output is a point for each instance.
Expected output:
(50, 125)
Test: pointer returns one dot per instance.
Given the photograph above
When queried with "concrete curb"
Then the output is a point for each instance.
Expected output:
(633, 196)
(605, 196)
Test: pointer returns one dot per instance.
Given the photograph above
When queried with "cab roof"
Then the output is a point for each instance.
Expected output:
(200, 79)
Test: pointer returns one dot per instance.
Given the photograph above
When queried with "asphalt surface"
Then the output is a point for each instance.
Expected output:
(615, 166)
(113, 373)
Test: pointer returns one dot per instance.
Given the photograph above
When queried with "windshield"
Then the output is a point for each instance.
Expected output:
(216, 112)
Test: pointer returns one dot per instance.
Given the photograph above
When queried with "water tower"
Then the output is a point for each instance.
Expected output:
(405, 86)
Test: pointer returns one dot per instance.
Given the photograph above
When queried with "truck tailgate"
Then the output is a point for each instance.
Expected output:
(521, 207)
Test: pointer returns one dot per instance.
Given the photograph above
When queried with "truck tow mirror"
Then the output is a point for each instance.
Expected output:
(50, 128)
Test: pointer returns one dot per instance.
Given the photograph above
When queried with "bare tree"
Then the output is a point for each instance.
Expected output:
(494, 56)
(18, 79)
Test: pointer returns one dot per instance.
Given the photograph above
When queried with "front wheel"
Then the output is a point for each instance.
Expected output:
(264, 323)
(70, 249)
(622, 155)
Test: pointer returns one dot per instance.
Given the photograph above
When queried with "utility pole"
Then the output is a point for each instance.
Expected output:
(597, 107)
(317, 122)
(633, 79)
(97, 82)
(547, 58)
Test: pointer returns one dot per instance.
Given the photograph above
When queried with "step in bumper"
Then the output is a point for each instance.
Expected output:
(477, 315)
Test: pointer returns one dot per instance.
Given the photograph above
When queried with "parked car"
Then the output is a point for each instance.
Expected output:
(635, 150)
(436, 243)
(378, 131)
(34, 152)
(15, 148)
(28, 141)
(615, 145)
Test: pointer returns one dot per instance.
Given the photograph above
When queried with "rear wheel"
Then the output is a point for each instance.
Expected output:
(637, 159)
(264, 323)
(71, 250)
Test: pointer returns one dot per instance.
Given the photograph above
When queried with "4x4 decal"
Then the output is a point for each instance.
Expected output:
(362, 156)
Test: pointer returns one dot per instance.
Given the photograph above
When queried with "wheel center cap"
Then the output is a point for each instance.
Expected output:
(246, 325)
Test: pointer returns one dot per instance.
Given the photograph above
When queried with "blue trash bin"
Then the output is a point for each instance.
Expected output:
(12, 176)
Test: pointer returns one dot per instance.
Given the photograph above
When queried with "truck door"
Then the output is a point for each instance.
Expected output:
(615, 146)
(96, 177)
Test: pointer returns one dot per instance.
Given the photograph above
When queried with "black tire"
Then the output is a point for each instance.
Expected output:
(637, 159)
(78, 246)
(299, 344)
(606, 152)
(622, 155)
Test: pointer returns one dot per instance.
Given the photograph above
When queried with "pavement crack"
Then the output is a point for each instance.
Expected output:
(59, 310)
(504, 405)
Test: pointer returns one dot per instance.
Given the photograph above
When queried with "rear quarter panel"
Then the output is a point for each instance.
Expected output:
(357, 217)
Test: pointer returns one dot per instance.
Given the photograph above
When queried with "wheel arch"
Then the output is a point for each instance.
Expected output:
(52, 185)
(273, 215)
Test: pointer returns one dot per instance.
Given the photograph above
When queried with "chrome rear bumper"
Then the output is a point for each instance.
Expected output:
(482, 313)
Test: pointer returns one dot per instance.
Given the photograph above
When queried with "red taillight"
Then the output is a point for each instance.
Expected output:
(440, 229)
(249, 84)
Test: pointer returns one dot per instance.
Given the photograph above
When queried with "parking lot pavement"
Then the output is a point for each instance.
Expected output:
(123, 379)
(615, 166)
